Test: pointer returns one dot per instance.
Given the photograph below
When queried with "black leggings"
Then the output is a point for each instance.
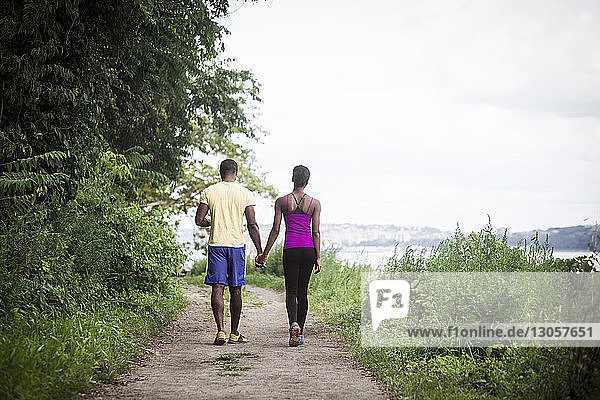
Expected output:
(298, 263)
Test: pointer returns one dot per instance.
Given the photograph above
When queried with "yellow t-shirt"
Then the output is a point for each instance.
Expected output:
(227, 202)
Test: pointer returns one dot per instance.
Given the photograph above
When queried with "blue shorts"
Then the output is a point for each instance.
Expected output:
(226, 265)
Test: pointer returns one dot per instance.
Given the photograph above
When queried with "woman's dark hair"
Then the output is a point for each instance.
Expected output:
(300, 176)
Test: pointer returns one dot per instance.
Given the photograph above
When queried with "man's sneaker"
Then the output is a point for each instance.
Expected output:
(294, 334)
(237, 338)
(301, 339)
(220, 339)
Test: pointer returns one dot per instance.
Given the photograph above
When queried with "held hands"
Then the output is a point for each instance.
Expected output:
(260, 260)
(318, 265)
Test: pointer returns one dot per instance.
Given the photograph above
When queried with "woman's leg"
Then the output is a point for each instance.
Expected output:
(305, 270)
(291, 268)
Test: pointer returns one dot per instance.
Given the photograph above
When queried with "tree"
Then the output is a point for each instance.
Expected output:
(84, 77)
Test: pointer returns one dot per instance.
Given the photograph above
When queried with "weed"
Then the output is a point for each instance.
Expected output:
(228, 363)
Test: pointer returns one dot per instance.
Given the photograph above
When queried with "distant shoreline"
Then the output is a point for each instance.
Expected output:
(570, 238)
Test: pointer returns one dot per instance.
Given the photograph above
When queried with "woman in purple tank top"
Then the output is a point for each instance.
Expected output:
(301, 250)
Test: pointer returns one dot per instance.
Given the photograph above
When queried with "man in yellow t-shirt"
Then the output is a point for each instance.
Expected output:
(228, 202)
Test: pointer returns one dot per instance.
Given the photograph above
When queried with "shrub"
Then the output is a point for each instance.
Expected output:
(96, 246)
(82, 288)
(199, 267)
(477, 252)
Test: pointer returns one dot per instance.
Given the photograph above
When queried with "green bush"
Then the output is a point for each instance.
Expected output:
(82, 288)
(97, 246)
(483, 251)
(199, 267)
(477, 252)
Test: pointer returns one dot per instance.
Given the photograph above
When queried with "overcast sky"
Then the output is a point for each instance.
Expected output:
(429, 112)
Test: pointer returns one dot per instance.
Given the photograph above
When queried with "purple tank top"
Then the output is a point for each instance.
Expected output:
(298, 231)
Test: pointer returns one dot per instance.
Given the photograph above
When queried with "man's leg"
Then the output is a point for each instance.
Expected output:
(217, 304)
(237, 279)
(216, 276)
(235, 307)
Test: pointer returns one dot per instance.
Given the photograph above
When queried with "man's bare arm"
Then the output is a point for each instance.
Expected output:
(253, 228)
(201, 215)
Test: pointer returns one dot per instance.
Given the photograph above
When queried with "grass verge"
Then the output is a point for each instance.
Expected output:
(54, 359)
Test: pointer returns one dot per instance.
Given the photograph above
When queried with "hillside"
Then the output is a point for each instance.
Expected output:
(352, 235)
(566, 238)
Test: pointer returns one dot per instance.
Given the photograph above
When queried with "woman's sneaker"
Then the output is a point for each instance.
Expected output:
(294, 334)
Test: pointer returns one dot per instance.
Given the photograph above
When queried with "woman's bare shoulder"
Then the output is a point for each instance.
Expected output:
(281, 200)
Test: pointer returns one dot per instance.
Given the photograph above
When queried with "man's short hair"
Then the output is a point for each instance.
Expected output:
(300, 176)
(228, 167)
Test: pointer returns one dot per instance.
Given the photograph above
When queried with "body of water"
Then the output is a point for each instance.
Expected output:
(379, 255)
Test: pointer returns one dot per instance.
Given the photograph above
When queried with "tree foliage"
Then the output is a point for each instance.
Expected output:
(80, 78)
(97, 246)
(25, 180)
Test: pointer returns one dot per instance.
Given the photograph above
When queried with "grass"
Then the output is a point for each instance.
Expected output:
(229, 363)
(54, 359)
(197, 280)
(266, 280)
(457, 373)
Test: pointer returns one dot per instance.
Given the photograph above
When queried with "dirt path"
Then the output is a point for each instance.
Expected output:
(183, 364)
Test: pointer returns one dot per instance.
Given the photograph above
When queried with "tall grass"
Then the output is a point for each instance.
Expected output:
(270, 276)
(53, 359)
(461, 373)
